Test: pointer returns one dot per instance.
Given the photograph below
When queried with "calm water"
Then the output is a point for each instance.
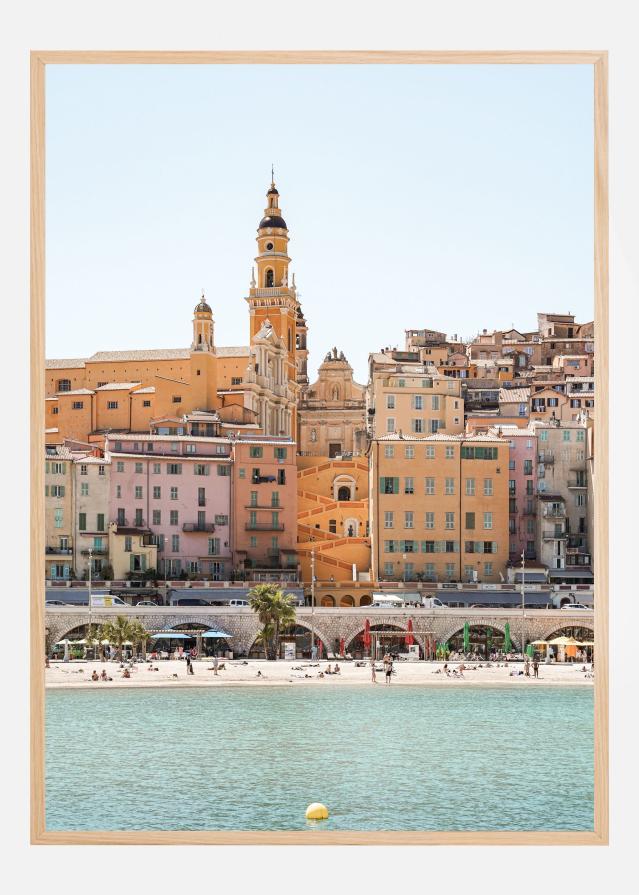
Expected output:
(381, 759)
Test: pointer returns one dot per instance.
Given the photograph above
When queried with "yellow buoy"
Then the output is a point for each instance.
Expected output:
(316, 811)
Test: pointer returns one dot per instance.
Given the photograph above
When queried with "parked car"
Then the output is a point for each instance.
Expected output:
(56, 603)
(99, 602)
(146, 603)
(576, 607)
(239, 603)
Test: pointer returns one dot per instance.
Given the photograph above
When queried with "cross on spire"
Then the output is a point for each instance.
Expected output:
(272, 176)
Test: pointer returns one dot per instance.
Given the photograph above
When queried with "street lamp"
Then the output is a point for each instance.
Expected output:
(523, 604)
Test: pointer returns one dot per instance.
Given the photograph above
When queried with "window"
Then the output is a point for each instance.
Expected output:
(543, 435)
(242, 472)
(429, 520)
(174, 468)
(418, 402)
(157, 517)
(449, 546)
(450, 486)
(176, 399)
(281, 476)
(157, 469)
(57, 491)
(528, 467)
(223, 469)
(64, 385)
(139, 521)
(450, 452)
(112, 405)
(275, 519)
(77, 405)
(236, 380)
(401, 383)
(581, 435)
(280, 453)
(201, 469)
(253, 541)
(138, 492)
(408, 519)
(84, 489)
(82, 521)
(470, 487)
(435, 402)
(255, 451)
(175, 543)
(146, 403)
(417, 426)
(450, 570)
(388, 519)
(221, 520)
(58, 468)
(390, 424)
(332, 526)
(174, 493)
(409, 485)
(55, 410)
(488, 487)
(429, 485)
(479, 453)
(512, 486)
(390, 402)
(430, 452)
(488, 568)
(388, 569)
(470, 521)
(511, 464)
(450, 520)
(157, 492)
(58, 516)
(128, 543)
(214, 546)
(488, 520)
(120, 516)
(389, 451)
(173, 517)
(190, 449)
(566, 435)
(139, 468)
(389, 485)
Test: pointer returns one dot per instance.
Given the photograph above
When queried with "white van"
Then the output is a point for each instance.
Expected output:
(239, 603)
(106, 602)
(433, 603)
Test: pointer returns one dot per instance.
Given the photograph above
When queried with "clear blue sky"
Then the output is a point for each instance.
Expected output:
(447, 197)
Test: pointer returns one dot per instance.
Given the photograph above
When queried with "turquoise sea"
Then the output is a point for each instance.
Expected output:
(402, 758)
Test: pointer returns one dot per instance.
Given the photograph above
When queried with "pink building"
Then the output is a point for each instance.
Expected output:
(176, 492)
(522, 490)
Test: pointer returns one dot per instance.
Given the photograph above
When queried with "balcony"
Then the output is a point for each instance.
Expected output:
(198, 526)
(577, 551)
(264, 526)
(261, 479)
(554, 514)
(95, 551)
(58, 551)
(263, 506)
(577, 483)
(546, 457)
(551, 535)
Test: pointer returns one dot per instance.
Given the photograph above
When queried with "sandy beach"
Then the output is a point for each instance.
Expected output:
(260, 673)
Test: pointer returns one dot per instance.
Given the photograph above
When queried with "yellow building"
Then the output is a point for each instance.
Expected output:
(131, 550)
(58, 513)
(439, 507)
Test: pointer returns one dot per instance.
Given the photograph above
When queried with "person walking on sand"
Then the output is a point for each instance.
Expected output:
(527, 667)
(373, 676)
(535, 667)
(389, 670)
(216, 663)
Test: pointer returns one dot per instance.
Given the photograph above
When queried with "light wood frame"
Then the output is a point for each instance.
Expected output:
(39, 833)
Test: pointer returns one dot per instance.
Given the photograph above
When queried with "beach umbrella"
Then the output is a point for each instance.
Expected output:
(508, 644)
(466, 637)
(341, 647)
(320, 648)
(409, 639)
(366, 637)
(530, 650)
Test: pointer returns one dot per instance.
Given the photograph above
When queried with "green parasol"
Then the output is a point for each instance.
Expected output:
(489, 638)
(466, 637)
(508, 644)
(530, 650)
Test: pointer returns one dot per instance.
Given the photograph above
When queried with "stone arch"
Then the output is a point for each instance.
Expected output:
(347, 600)
(365, 600)
(401, 626)
(319, 635)
(515, 635)
(351, 528)
(560, 627)
(344, 483)
(327, 600)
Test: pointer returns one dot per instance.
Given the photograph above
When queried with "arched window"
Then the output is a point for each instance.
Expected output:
(268, 281)
(332, 526)
(344, 493)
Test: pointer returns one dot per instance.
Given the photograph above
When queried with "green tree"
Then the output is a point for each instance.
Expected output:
(276, 612)
(119, 631)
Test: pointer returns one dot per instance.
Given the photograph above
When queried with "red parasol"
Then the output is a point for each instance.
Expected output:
(409, 639)
(341, 647)
(320, 648)
(366, 637)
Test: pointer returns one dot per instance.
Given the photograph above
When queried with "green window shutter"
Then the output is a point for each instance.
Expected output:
(143, 562)
(381, 484)
(395, 485)
(131, 562)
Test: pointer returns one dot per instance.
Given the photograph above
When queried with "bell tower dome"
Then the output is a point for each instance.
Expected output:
(203, 327)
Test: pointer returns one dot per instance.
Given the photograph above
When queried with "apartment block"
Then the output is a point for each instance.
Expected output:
(439, 507)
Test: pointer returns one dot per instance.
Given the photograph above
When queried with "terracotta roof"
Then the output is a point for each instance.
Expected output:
(76, 391)
(148, 390)
(394, 436)
(65, 363)
(143, 354)
(513, 395)
(233, 351)
(118, 386)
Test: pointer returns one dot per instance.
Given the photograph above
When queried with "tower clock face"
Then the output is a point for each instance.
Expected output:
(269, 246)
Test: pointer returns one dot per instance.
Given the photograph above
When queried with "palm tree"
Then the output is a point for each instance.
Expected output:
(119, 631)
(139, 635)
(276, 612)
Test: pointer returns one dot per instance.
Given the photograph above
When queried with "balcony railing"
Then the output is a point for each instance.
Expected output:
(59, 551)
(577, 483)
(546, 457)
(198, 526)
(260, 479)
(551, 535)
(554, 514)
(95, 551)
(264, 526)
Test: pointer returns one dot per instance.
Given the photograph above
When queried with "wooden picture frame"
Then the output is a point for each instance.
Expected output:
(39, 834)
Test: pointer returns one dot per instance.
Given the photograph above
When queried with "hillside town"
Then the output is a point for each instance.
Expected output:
(458, 464)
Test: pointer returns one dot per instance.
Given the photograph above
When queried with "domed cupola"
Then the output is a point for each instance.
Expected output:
(202, 326)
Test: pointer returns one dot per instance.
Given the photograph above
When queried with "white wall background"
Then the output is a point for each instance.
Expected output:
(331, 24)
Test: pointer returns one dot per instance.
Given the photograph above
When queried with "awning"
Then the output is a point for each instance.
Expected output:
(217, 634)
(172, 635)
(583, 573)
(531, 577)
(501, 598)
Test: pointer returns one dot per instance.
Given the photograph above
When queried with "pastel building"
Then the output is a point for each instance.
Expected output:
(522, 491)
(172, 494)
(58, 512)
(264, 517)
(91, 483)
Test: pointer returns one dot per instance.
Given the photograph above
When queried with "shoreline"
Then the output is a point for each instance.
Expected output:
(172, 675)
